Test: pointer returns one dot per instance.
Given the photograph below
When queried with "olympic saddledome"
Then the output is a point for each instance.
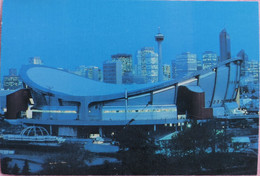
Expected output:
(66, 100)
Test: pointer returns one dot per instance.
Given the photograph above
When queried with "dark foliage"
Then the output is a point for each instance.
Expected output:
(15, 169)
(4, 165)
(70, 161)
(137, 151)
(26, 169)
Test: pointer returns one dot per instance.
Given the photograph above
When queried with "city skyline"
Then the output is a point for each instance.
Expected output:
(70, 34)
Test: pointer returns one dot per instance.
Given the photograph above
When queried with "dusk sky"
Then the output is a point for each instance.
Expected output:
(69, 33)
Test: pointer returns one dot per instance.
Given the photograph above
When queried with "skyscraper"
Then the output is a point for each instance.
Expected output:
(12, 81)
(224, 41)
(112, 72)
(185, 64)
(244, 64)
(173, 69)
(209, 59)
(166, 72)
(127, 67)
(199, 64)
(94, 73)
(147, 65)
(159, 38)
(126, 60)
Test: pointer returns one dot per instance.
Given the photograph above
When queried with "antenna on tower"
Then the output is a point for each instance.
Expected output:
(159, 30)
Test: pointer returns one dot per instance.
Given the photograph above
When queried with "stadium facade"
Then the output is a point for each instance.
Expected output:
(70, 102)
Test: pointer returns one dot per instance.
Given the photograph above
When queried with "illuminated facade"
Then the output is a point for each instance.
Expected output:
(126, 60)
(209, 59)
(147, 65)
(185, 64)
(127, 67)
(249, 69)
(166, 72)
(12, 81)
(93, 73)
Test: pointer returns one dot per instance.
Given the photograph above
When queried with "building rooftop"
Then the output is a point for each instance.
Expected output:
(61, 82)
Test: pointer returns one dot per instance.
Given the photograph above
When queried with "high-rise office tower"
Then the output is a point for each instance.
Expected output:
(147, 65)
(159, 38)
(112, 72)
(35, 61)
(199, 64)
(166, 72)
(185, 64)
(12, 81)
(93, 73)
(209, 59)
(127, 67)
(251, 71)
(126, 60)
(224, 41)
(244, 64)
(173, 68)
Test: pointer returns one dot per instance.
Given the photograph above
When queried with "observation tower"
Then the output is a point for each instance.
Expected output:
(159, 37)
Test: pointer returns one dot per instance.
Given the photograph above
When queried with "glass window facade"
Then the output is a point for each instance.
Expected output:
(147, 65)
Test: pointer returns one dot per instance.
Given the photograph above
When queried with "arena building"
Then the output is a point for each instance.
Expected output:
(70, 105)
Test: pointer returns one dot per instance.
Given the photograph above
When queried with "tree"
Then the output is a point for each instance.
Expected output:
(4, 165)
(15, 169)
(26, 169)
(195, 147)
(192, 140)
(137, 151)
(71, 160)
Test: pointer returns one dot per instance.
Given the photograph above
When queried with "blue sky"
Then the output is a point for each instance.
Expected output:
(69, 33)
